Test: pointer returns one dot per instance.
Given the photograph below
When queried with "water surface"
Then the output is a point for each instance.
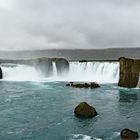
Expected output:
(44, 111)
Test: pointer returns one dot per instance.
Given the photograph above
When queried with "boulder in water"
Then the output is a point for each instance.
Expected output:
(69, 84)
(129, 134)
(84, 110)
(1, 76)
(83, 85)
(129, 72)
(62, 65)
(94, 85)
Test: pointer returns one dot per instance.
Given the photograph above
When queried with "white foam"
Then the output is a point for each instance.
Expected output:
(83, 137)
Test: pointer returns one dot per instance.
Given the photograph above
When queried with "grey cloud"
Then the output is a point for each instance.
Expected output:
(67, 24)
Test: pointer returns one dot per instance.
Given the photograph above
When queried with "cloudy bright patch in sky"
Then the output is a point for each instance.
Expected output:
(69, 24)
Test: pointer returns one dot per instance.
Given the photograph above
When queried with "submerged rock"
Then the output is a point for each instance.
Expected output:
(129, 72)
(1, 76)
(83, 85)
(84, 110)
(129, 134)
(62, 65)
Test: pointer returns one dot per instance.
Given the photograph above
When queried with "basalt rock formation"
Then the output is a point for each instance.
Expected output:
(129, 72)
(84, 110)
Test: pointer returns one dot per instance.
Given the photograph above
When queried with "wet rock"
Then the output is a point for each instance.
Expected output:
(129, 134)
(1, 76)
(83, 61)
(83, 85)
(129, 72)
(69, 84)
(94, 85)
(84, 110)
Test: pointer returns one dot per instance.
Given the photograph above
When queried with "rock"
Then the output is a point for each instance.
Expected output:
(129, 134)
(44, 65)
(1, 75)
(84, 110)
(83, 85)
(69, 84)
(83, 61)
(129, 72)
(94, 85)
(62, 65)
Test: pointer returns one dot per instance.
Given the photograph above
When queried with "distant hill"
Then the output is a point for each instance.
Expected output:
(98, 54)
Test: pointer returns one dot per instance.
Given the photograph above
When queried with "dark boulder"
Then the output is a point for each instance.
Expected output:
(1, 75)
(83, 85)
(44, 66)
(129, 134)
(69, 84)
(94, 85)
(62, 66)
(84, 110)
(81, 61)
(129, 72)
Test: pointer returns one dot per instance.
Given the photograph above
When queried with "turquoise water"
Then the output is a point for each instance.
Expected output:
(44, 111)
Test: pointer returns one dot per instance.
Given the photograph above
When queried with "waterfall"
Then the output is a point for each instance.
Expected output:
(138, 85)
(54, 70)
(101, 72)
(14, 72)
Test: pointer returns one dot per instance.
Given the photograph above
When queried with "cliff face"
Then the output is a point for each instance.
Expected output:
(129, 72)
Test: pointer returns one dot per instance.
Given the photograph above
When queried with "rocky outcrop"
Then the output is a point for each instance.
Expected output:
(84, 110)
(129, 134)
(44, 65)
(1, 73)
(83, 61)
(129, 72)
(83, 85)
(62, 66)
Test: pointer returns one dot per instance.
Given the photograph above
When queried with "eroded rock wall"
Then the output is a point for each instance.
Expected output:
(129, 72)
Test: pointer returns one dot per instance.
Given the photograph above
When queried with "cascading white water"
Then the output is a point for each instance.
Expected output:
(101, 72)
(138, 85)
(13, 72)
(54, 70)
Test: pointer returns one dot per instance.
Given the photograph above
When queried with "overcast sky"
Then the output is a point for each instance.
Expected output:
(69, 24)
